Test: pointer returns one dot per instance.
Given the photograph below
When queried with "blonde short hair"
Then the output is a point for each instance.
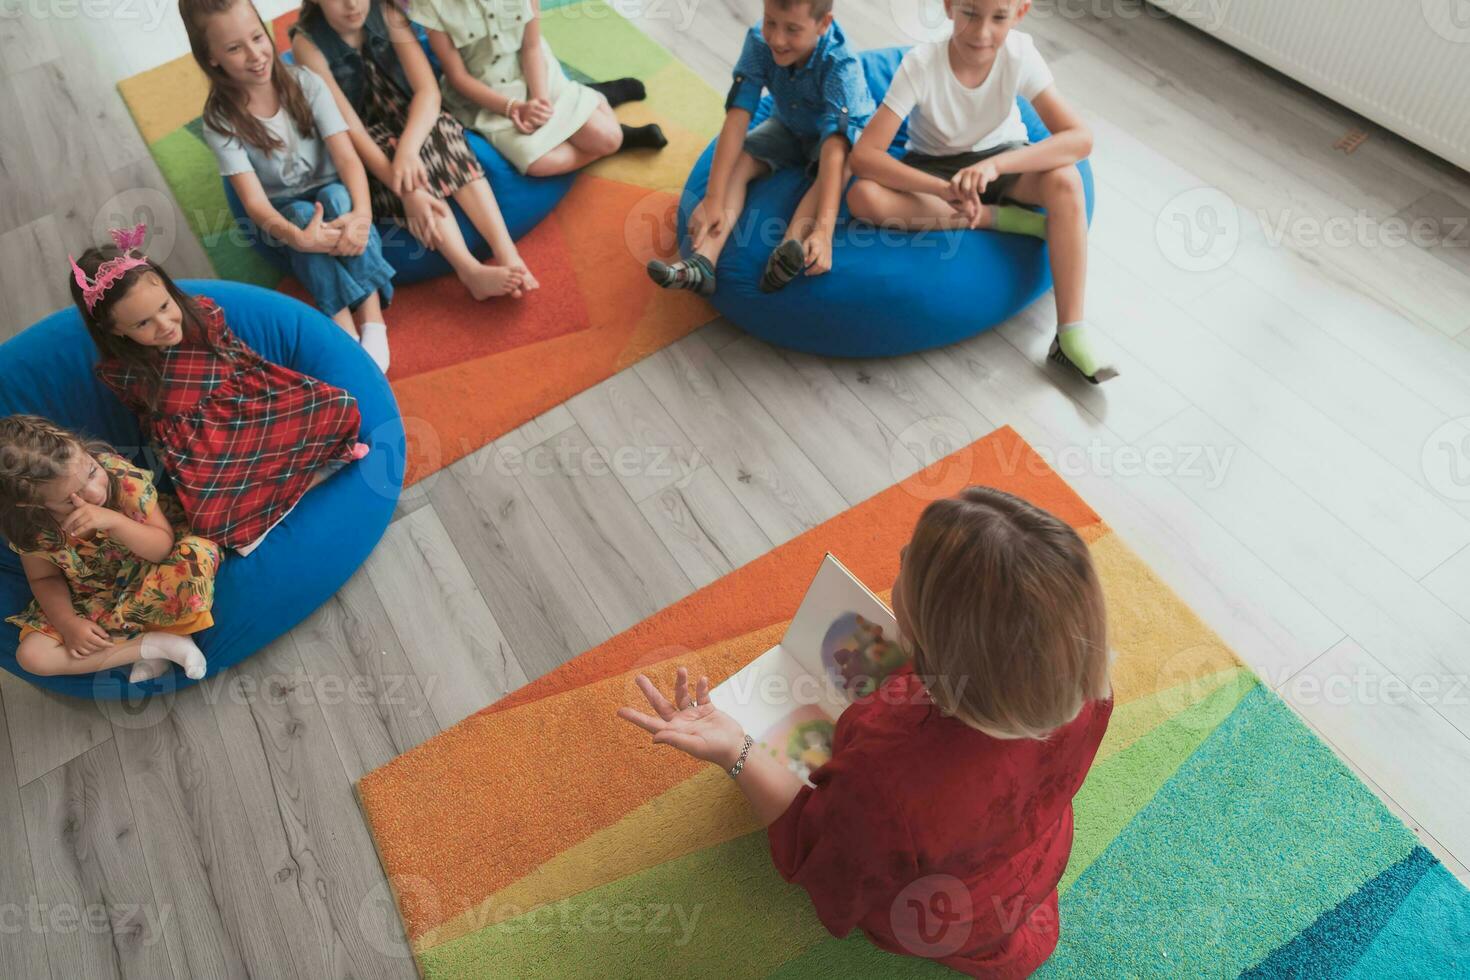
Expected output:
(1002, 610)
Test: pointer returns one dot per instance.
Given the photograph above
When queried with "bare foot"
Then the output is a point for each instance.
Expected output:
(486, 281)
(528, 281)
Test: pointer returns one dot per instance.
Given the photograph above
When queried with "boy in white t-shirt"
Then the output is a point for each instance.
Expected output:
(968, 155)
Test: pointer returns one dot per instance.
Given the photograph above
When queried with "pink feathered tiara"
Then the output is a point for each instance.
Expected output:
(109, 272)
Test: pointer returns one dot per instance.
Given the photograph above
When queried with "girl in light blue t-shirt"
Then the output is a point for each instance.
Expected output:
(282, 143)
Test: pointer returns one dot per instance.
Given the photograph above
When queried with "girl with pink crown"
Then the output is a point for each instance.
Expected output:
(242, 438)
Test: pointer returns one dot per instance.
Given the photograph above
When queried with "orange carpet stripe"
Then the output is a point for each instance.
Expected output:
(411, 802)
(705, 810)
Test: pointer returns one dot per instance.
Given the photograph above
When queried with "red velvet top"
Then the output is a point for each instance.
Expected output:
(935, 839)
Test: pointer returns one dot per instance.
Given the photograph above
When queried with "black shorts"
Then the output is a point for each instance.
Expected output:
(946, 167)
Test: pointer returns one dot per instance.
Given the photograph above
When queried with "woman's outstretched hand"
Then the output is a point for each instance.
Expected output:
(689, 723)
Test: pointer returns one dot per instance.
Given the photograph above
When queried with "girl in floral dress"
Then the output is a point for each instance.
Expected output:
(117, 579)
(241, 438)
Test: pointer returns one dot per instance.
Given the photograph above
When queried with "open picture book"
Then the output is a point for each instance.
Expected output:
(840, 645)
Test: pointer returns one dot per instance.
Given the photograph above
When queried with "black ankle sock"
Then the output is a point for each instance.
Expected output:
(621, 90)
(649, 137)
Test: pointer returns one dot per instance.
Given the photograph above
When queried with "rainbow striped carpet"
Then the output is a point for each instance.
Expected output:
(1215, 836)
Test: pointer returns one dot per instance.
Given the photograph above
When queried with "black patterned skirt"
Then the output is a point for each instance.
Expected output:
(447, 156)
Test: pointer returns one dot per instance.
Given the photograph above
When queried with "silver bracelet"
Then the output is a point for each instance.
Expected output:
(740, 762)
(510, 107)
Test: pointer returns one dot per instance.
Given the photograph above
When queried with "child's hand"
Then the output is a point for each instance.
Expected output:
(539, 111)
(424, 211)
(87, 518)
(698, 727)
(355, 227)
(705, 220)
(970, 183)
(526, 117)
(318, 235)
(409, 174)
(82, 637)
(818, 253)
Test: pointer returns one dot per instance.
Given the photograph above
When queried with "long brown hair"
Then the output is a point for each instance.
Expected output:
(1003, 612)
(140, 360)
(33, 452)
(225, 109)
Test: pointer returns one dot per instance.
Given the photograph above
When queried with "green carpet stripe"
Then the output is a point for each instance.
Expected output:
(1133, 720)
(1336, 941)
(1120, 786)
(1256, 835)
(722, 911)
(1429, 935)
(611, 49)
(855, 958)
(192, 174)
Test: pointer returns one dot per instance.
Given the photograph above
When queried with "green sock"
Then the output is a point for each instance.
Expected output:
(1075, 342)
(1018, 221)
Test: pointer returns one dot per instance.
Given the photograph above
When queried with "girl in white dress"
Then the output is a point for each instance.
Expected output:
(501, 78)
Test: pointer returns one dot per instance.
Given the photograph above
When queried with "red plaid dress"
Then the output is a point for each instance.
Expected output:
(240, 436)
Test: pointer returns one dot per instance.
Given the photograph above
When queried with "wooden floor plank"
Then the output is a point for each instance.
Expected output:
(627, 571)
(1395, 513)
(536, 598)
(23, 949)
(102, 917)
(196, 837)
(770, 476)
(828, 422)
(704, 527)
(31, 254)
(1380, 410)
(645, 448)
(377, 710)
(459, 653)
(300, 805)
(1383, 609)
(48, 730)
(923, 411)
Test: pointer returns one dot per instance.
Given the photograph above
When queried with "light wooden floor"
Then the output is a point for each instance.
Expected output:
(1288, 447)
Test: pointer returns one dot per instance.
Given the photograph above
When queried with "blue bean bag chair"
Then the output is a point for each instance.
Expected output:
(47, 370)
(524, 201)
(888, 293)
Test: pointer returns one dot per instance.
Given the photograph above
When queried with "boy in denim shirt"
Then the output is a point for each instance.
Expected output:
(821, 103)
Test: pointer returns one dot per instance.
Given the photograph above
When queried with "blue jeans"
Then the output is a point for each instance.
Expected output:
(336, 282)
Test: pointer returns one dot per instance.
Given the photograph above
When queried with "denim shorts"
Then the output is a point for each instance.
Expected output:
(946, 167)
(774, 144)
(336, 282)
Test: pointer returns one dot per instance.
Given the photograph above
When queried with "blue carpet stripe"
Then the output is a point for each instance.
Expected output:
(1332, 946)
(1428, 937)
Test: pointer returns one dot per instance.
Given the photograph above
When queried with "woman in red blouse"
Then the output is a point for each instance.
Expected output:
(943, 821)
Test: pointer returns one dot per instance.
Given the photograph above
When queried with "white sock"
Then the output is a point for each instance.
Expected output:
(375, 342)
(179, 649)
(146, 670)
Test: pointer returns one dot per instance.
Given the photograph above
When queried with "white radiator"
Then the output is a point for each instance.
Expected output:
(1405, 64)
